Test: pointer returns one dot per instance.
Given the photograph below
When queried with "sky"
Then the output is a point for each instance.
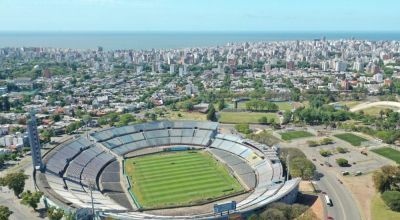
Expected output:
(199, 15)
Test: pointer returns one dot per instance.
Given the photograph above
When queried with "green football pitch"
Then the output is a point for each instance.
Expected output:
(179, 179)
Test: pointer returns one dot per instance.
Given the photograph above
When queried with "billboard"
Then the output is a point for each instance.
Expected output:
(224, 207)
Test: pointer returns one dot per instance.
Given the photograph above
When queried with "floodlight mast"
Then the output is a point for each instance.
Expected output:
(287, 167)
(91, 186)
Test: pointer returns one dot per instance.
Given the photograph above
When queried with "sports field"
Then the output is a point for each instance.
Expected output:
(351, 138)
(389, 153)
(179, 178)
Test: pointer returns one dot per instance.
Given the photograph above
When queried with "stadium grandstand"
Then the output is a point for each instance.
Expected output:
(87, 174)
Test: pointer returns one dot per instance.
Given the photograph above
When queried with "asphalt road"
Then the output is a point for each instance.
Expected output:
(344, 207)
(373, 104)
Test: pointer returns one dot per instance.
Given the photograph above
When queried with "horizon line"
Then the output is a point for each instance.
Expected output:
(202, 31)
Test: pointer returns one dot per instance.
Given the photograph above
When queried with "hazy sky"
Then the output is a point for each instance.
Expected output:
(199, 15)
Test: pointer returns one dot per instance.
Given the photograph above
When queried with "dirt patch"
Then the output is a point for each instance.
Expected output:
(306, 186)
(318, 208)
(363, 191)
(314, 202)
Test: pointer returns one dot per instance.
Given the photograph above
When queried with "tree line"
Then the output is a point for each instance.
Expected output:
(260, 105)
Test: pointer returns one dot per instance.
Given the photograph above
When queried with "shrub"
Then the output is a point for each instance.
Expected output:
(342, 162)
(392, 199)
(243, 128)
(312, 143)
(326, 141)
(341, 150)
(325, 153)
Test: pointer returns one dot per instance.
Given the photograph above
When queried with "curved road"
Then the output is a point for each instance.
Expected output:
(344, 206)
(373, 104)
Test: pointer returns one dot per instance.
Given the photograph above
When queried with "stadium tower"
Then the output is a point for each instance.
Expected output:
(34, 142)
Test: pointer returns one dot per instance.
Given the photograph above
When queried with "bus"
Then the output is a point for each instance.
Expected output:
(328, 200)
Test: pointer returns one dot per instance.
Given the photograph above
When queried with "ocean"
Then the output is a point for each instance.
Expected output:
(168, 40)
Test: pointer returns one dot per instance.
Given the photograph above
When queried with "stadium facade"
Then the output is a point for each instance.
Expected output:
(86, 173)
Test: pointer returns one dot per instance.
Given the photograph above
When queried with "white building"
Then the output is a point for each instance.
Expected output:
(378, 77)
(358, 66)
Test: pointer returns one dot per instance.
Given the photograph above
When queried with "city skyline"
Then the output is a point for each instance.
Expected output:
(184, 16)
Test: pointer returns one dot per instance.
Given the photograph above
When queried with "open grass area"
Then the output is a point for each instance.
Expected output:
(245, 117)
(389, 153)
(379, 210)
(182, 115)
(375, 111)
(178, 179)
(351, 138)
(350, 104)
(290, 135)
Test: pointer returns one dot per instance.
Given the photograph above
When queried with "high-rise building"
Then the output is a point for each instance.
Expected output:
(267, 68)
(325, 66)
(220, 67)
(172, 68)
(340, 66)
(34, 142)
(358, 66)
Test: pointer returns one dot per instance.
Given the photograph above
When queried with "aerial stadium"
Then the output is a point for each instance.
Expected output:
(163, 170)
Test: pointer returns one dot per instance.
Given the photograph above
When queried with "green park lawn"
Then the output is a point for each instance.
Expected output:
(389, 153)
(179, 179)
(351, 138)
(245, 117)
(379, 210)
(290, 135)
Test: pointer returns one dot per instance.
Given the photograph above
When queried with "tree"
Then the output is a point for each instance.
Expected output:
(221, 104)
(54, 213)
(86, 119)
(125, 119)
(2, 160)
(388, 178)
(56, 117)
(47, 134)
(272, 121)
(31, 199)
(15, 182)
(188, 106)
(263, 120)
(301, 167)
(342, 162)
(4, 104)
(392, 199)
(253, 217)
(381, 113)
(272, 213)
(5, 212)
(287, 117)
(211, 113)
